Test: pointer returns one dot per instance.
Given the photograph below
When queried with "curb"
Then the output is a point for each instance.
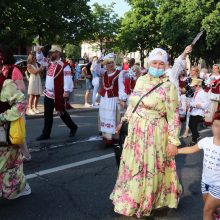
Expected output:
(83, 110)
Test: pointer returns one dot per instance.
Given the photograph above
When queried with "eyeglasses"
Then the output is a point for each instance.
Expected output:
(110, 62)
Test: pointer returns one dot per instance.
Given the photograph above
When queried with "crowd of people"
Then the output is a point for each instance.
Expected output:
(153, 101)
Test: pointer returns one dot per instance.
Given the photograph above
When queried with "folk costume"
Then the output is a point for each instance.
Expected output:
(213, 93)
(12, 106)
(183, 100)
(197, 113)
(127, 81)
(147, 177)
(55, 86)
(68, 85)
(108, 110)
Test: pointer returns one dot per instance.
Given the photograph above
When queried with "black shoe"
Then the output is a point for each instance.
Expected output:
(42, 137)
(73, 132)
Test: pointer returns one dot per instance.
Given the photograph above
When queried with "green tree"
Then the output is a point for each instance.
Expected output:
(211, 24)
(54, 21)
(180, 21)
(105, 26)
(73, 51)
(139, 31)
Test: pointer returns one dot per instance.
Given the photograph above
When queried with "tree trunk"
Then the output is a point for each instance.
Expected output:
(142, 55)
(101, 46)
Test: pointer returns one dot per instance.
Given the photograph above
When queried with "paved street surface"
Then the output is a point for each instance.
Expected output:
(72, 178)
(75, 179)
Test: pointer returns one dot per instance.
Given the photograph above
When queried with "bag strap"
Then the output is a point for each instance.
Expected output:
(155, 87)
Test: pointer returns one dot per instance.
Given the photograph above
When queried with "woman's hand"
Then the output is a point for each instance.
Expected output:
(198, 106)
(187, 51)
(171, 150)
(123, 104)
(66, 95)
(118, 128)
(183, 91)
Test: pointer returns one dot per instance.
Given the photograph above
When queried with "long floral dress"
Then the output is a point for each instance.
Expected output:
(12, 178)
(147, 177)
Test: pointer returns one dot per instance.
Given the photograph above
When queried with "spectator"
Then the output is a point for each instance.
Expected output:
(96, 73)
(77, 74)
(87, 72)
(34, 86)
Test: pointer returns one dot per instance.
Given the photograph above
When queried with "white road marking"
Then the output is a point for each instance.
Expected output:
(93, 138)
(68, 166)
(79, 163)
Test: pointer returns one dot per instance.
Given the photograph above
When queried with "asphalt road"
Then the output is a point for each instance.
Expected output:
(72, 179)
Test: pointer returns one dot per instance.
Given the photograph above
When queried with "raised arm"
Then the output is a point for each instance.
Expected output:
(179, 66)
(33, 70)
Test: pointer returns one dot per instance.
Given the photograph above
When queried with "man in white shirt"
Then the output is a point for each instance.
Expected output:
(57, 87)
(198, 106)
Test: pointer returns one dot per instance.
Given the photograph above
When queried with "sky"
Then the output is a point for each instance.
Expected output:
(120, 7)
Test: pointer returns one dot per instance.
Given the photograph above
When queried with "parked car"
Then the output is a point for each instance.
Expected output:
(20, 57)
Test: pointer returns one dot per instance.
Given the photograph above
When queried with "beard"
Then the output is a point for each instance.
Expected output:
(53, 56)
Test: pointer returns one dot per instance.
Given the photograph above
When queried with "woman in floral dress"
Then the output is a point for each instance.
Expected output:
(12, 106)
(147, 176)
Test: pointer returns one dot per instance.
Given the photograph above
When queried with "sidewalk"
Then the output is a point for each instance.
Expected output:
(77, 101)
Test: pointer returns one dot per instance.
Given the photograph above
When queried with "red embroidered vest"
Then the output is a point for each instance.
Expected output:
(110, 85)
(216, 86)
(129, 85)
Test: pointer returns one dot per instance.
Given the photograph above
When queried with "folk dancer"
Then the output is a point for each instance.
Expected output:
(109, 114)
(213, 92)
(55, 93)
(68, 85)
(199, 104)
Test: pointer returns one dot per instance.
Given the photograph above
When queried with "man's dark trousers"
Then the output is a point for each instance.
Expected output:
(194, 120)
(48, 117)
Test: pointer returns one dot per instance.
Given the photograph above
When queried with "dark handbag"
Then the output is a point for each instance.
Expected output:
(4, 135)
(124, 128)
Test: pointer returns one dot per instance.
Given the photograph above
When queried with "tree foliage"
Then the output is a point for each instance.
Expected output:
(105, 26)
(139, 31)
(54, 21)
(172, 24)
(72, 51)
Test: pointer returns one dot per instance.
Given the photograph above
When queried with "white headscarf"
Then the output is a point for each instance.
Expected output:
(158, 54)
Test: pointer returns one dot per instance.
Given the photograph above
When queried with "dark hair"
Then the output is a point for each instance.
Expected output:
(8, 58)
(31, 54)
(131, 62)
